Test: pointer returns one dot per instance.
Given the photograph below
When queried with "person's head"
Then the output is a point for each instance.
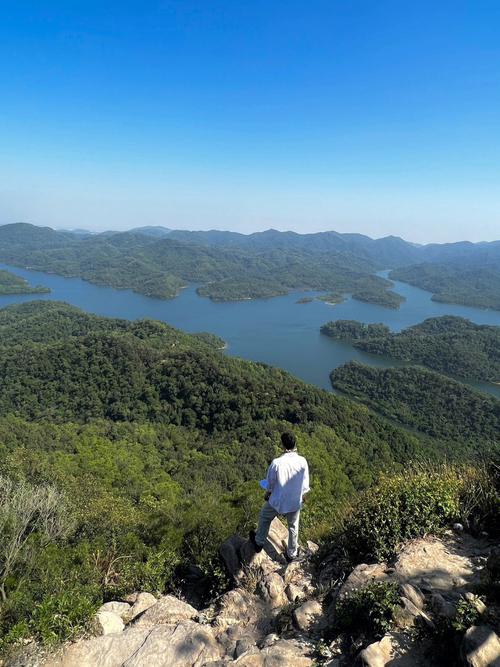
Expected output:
(288, 441)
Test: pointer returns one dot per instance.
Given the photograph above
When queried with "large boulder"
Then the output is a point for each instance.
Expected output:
(271, 589)
(377, 654)
(185, 644)
(142, 602)
(448, 566)
(106, 651)
(167, 610)
(286, 652)
(307, 615)
(108, 623)
(244, 613)
(120, 608)
(481, 647)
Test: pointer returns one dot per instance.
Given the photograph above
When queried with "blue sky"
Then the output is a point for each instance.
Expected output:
(381, 117)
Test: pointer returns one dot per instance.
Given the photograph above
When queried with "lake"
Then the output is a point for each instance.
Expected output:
(277, 331)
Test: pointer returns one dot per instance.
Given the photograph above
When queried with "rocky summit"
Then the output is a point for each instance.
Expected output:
(286, 615)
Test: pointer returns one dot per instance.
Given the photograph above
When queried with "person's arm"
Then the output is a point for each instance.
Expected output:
(305, 482)
(271, 480)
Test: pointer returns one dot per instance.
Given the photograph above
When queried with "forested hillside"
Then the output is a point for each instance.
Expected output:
(427, 402)
(154, 442)
(12, 284)
(160, 266)
(447, 344)
(471, 283)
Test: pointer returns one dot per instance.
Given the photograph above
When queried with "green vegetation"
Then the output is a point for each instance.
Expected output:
(447, 344)
(369, 609)
(160, 266)
(333, 298)
(154, 440)
(417, 502)
(380, 297)
(467, 283)
(352, 330)
(12, 284)
(420, 399)
(305, 299)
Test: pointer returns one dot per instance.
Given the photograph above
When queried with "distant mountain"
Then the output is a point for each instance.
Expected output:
(157, 262)
(149, 230)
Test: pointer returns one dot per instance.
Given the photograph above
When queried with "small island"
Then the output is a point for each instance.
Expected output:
(305, 299)
(12, 284)
(332, 299)
(380, 297)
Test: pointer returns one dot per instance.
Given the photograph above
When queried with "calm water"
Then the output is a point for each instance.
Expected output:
(277, 331)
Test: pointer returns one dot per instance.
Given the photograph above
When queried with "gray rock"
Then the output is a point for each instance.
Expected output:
(481, 647)
(106, 651)
(361, 576)
(143, 601)
(294, 593)
(414, 594)
(377, 654)
(442, 607)
(167, 610)
(183, 645)
(272, 590)
(243, 645)
(108, 623)
(306, 616)
(286, 653)
(120, 608)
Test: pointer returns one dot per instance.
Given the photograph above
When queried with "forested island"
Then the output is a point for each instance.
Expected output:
(228, 266)
(426, 401)
(12, 284)
(158, 266)
(154, 440)
(469, 284)
(448, 344)
(380, 297)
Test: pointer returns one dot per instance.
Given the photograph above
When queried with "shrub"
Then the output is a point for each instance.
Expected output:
(416, 503)
(62, 617)
(369, 609)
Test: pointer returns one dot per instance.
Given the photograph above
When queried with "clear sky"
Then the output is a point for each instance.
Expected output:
(376, 116)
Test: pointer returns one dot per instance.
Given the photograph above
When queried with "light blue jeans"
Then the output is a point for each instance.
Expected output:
(267, 514)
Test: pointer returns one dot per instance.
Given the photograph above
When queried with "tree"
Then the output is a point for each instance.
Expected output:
(27, 511)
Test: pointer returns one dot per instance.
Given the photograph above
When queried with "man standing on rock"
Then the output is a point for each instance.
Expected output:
(287, 483)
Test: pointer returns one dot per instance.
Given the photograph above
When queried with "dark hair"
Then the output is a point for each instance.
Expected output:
(288, 440)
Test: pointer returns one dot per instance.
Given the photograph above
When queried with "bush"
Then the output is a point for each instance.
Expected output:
(369, 609)
(62, 617)
(416, 503)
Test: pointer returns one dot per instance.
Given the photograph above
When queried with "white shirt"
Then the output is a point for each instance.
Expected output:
(288, 481)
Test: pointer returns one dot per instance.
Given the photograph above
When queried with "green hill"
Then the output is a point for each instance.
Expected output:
(448, 344)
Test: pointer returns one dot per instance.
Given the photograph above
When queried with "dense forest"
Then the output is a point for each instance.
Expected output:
(381, 297)
(465, 282)
(158, 266)
(447, 344)
(427, 402)
(12, 284)
(152, 441)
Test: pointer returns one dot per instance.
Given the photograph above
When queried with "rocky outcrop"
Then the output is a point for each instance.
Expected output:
(274, 615)
(481, 647)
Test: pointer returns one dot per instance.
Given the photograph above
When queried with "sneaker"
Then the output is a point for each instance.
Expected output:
(257, 547)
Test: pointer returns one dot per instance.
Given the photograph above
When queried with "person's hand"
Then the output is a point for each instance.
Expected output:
(304, 499)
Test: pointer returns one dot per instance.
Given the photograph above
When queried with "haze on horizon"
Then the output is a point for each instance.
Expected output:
(378, 118)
